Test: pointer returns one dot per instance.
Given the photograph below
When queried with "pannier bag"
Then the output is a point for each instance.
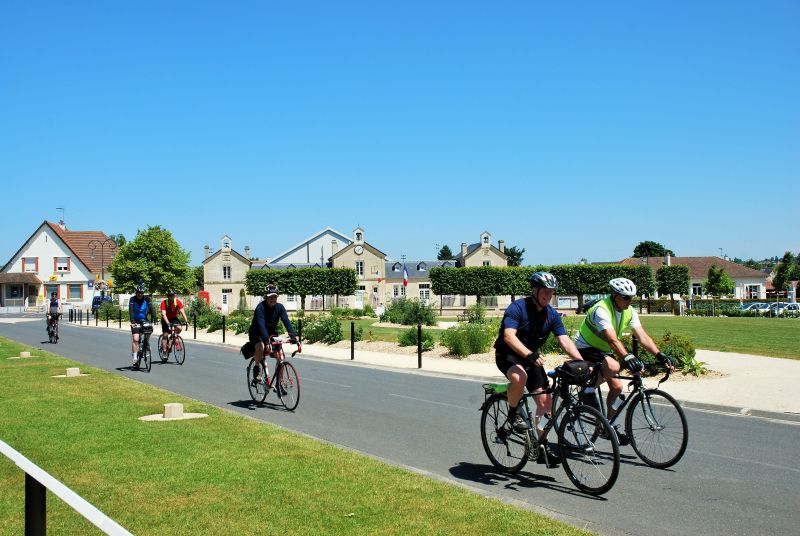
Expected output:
(248, 349)
(575, 372)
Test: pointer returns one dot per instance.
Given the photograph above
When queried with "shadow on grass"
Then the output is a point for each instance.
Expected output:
(488, 475)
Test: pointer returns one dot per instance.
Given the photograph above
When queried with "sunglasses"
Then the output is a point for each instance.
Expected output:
(627, 298)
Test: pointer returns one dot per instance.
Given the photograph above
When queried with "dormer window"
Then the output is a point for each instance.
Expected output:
(226, 244)
(486, 240)
(446, 264)
(359, 237)
(421, 267)
(396, 267)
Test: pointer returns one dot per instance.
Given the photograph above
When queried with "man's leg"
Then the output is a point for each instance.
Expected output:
(609, 371)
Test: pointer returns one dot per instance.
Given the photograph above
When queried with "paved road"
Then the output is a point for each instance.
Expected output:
(741, 475)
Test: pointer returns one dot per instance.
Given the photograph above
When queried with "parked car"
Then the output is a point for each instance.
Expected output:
(792, 309)
(776, 308)
(761, 308)
(750, 306)
(97, 301)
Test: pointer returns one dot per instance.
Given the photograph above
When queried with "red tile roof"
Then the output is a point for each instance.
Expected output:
(698, 266)
(79, 243)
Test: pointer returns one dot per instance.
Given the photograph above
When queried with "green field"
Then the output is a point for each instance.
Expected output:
(226, 474)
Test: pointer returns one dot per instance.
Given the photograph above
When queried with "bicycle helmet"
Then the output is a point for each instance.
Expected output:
(271, 290)
(623, 287)
(140, 288)
(543, 279)
(52, 294)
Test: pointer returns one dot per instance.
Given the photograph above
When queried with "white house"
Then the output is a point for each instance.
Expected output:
(55, 259)
(316, 249)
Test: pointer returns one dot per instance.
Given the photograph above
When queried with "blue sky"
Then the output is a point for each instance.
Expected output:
(570, 129)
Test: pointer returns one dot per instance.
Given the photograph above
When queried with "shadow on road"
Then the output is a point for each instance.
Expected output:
(249, 404)
(488, 475)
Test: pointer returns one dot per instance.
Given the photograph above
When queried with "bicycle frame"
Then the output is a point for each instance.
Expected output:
(636, 381)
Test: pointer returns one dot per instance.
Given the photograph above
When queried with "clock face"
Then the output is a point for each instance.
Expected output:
(359, 250)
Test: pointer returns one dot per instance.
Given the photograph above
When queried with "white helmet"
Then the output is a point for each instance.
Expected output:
(623, 287)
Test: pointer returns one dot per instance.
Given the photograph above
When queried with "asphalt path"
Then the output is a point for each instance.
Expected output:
(740, 475)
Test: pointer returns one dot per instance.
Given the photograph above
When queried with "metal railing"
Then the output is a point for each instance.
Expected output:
(37, 482)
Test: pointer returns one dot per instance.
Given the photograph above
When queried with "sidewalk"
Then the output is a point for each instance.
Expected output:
(749, 385)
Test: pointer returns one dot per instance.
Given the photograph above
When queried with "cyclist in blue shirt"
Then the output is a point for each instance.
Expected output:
(265, 325)
(526, 325)
(139, 309)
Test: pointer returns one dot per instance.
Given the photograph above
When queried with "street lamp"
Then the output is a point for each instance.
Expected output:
(93, 245)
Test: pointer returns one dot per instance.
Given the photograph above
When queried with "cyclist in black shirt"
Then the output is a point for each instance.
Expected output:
(265, 325)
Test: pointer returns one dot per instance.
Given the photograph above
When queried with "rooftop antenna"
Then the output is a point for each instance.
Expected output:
(61, 222)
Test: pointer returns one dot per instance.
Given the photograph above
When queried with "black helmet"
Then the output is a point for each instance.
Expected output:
(52, 294)
(140, 288)
(543, 279)
(271, 290)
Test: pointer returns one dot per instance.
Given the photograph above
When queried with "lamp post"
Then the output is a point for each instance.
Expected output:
(93, 245)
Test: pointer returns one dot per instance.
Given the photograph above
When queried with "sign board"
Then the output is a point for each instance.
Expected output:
(54, 277)
(91, 283)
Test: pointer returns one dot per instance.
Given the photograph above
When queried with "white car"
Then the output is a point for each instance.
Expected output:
(792, 309)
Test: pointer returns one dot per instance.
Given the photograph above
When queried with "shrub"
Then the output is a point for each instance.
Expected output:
(322, 328)
(369, 311)
(409, 338)
(465, 339)
(113, 311)
(679, 348)
(476, 313)
(409, 312)
(239, 322)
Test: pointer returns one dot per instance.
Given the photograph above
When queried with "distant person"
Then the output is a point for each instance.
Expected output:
(598, 342)
(169, 317)
(526, 325)
(265, 325)
(139, 309)
(53, 312)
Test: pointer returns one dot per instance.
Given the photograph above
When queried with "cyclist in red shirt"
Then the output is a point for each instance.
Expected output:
(169, 317)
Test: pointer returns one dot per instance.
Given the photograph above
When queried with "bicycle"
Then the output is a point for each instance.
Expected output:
(174, 345)
(284, 381)
(654, 421)
(145, 329)
(52, 328)
(591, 463)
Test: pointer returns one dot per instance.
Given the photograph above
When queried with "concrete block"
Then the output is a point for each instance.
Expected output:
(24, 354)
(173, 411)
(73, 371)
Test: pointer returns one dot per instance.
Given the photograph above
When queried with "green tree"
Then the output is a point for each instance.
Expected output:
(514, 255)
(199, 277)
(719, 283)
(119, 239)
(648, 248)
(155, 259)
(444, 253)
(784, 272)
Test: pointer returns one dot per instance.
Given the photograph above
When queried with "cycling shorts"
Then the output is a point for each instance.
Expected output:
(165, 327)
(537, 376)
(593, 355)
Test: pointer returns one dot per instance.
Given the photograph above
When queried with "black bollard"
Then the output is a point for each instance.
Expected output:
(299, 330)
(352, 340)
(419, 345)
(194, 322)
(223, 328)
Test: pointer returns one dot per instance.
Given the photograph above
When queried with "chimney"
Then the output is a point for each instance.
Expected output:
(501, 245)
(207, 250)
(334, 246)
(463, 249)
(667, 259)
(247, 252)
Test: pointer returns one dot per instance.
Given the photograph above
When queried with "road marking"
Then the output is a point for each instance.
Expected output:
(327, 383)
(431, 402)
(772, 465)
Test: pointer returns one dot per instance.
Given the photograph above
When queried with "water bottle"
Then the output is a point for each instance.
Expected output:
(588, 396)
(543, 420)
(618, 402)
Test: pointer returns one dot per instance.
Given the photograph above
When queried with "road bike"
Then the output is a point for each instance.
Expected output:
(144, 357)
(654, 421)
(174, 345)
(284, 380)
(52, 328)
(591, 460)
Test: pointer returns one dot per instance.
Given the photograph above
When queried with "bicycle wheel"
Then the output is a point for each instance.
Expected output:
(592, 466)
(657, 428)
(161, 353)
(287, 384)
(178, 349)
(558, 400)
(258, 391)
(507, 449)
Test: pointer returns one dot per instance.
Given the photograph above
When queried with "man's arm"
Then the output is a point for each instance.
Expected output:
(513, 342)
(569, 347)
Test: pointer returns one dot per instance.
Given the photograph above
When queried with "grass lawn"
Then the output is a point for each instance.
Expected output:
(382, 333)
(200, 476)
(775, 337)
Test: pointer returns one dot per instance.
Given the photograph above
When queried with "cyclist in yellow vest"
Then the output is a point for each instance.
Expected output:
(598, 341)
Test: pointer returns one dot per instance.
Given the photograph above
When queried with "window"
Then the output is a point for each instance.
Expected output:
(360, 268)
(359, 237)
(30, 264)
(396, 267)
(225, 293)
(485, 239)
(487, 263)
(226, 244)
(753, 291)
(291, 298)
(398, 291)
(374, 290)
(226, 272)
(76, 292)
(50, 290)
(422, 267)
(424, 292)
(697, 289)
(61, 264)
(362, 288)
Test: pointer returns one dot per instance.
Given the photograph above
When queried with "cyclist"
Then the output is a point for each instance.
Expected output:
(526, 325)
(265, 325)
(139, 309)
(53, 312)
(169, 317)
(598, 341)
